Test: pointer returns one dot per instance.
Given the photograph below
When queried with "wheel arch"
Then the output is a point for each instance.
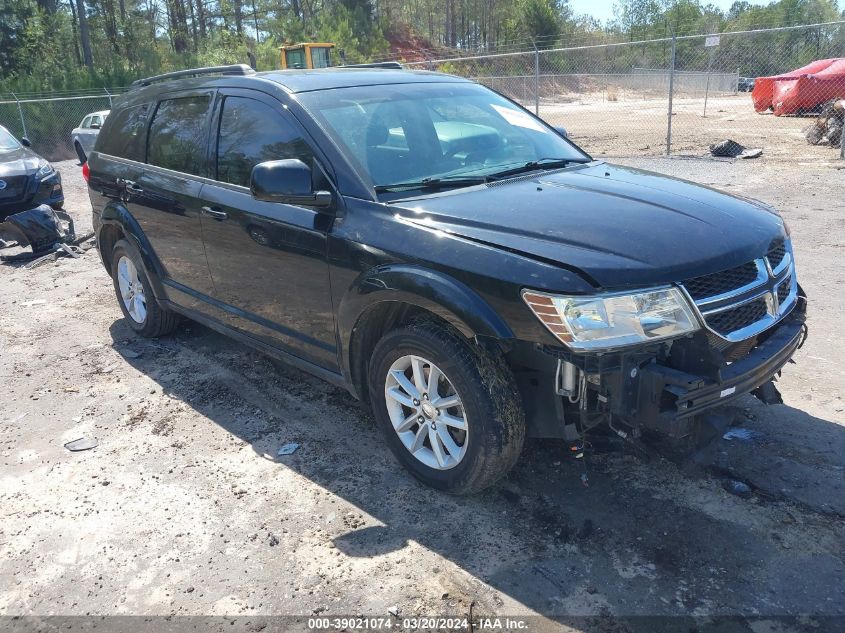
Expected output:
(117, 223)
(390, 296)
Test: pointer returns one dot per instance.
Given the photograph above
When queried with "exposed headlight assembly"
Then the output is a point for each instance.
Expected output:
(599, 322)
(45, 170)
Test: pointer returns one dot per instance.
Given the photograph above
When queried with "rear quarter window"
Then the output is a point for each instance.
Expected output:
(124, 133)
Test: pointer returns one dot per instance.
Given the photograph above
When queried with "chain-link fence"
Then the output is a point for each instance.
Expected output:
(679, 95)
(48, 120)
(666, 96)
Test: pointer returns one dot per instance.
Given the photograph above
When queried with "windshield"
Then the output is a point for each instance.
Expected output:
(436, 132)
(7, 141)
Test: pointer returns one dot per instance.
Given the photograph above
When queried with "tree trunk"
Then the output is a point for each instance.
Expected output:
(239, 16)
(84, 34)
(201, 18)
(75, 32)
(193, 24)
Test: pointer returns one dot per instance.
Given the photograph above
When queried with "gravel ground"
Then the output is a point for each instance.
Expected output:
(183, 507)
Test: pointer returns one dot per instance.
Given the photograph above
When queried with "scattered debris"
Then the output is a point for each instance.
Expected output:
(394, 611)
(738, 488)
(287, 449)
(42, 229)
(740, 433)
(128, 353)
(732, 149)
(34, 302)
(827, 128)
(81, 444)
(272, 539)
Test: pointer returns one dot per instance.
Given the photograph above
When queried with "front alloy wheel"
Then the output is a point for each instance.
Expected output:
(448, 408)
(426, 412)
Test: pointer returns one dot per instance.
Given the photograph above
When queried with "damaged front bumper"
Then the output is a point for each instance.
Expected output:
(670, 398)
(663, 388)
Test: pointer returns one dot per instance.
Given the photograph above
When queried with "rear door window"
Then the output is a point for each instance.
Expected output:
(125, 133)
(252, 132)
(178, 137)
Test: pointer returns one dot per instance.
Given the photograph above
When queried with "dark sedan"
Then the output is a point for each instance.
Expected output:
(26, 179)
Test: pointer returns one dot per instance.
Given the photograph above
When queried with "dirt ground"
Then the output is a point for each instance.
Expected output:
(184, 508)
(633, 125)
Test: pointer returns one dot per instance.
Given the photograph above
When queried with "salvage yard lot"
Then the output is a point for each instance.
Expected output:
(185, 508)
(636, 124)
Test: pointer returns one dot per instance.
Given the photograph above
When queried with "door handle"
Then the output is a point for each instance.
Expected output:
(131, 187)
(214, 212)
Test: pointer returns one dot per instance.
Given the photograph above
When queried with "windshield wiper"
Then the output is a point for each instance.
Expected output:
(434, 183)
(540, 163)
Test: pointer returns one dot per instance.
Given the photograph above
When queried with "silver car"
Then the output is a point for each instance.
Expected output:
(83, 137)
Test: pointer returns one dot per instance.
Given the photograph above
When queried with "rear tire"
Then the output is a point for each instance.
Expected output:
(472, 387)
(80, 152)
(135, 295)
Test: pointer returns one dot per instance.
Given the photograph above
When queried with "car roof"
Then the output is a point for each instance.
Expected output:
(99, 112)
(291, 81)
(328, 78)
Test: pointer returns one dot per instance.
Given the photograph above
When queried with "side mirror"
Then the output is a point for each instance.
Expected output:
(26, 142)
(287, 181)
(95, 126)
(562, 131)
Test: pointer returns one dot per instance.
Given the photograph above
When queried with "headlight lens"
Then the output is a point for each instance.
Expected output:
(44, 169)
(614, 320)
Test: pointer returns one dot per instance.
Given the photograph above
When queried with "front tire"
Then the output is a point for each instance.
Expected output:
(135, 295)
(450, 411)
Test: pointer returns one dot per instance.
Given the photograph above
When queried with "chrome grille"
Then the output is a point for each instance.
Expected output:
(784, 289)
(721, 282)
(740, 302)
(777, 251)
(737, 318)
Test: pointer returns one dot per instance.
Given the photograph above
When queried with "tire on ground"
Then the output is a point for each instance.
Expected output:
(158, 321)
(492, 404)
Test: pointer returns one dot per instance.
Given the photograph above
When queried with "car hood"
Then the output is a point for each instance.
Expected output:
(18, 162)
(619, 227)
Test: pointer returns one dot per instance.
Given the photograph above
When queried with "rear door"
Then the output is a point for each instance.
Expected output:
(167, 194)
(268, 260)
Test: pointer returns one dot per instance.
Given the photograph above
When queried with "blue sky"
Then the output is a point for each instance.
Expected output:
(603, 9)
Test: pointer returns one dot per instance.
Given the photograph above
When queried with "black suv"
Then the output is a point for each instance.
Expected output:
(444, 255)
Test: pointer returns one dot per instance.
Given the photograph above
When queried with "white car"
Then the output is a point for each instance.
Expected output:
(83, 137)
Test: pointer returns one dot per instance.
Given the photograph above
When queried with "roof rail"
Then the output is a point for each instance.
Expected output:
(396, 65)
(233, 69)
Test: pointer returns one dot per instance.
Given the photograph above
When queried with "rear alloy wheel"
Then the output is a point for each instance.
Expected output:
(135, 296)
(448, 408)
(131, 290)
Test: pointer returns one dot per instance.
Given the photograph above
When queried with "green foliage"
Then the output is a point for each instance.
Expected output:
(41, 45)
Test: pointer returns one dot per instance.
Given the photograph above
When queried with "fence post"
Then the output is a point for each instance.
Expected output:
(109, 96)
(20, 112)
(842, 144)
(671, 94)
(707, 89)
(536, 80)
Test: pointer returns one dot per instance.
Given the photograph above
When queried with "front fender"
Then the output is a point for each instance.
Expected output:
(436, 292)
(117, 215)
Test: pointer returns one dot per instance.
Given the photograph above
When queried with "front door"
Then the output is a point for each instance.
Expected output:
(268, 261)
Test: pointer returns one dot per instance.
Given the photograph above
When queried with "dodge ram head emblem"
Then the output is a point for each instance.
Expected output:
(2, 185)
